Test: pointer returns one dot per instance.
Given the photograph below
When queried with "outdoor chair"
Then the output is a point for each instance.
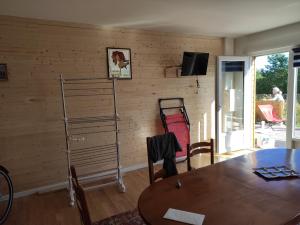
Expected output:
(268, 114)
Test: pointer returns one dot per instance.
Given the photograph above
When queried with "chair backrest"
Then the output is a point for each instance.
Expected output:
(80, 199)
(269, 114)
(200, 147)
(152, 175)
(294, 221)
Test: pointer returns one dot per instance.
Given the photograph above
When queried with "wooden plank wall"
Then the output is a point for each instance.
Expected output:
(36, 52)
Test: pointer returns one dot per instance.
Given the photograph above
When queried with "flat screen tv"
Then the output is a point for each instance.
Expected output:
(194, 63)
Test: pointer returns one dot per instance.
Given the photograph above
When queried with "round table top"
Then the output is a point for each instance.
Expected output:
(228, 193)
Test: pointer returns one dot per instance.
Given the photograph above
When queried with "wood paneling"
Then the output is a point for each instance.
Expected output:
(36, 52)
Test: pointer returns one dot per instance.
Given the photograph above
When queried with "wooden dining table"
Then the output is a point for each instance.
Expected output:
(229, 192)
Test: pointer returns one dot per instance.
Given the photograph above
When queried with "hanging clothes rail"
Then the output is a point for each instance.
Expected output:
(91, 132)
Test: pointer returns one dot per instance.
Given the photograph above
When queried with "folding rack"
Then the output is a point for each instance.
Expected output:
(103, 159)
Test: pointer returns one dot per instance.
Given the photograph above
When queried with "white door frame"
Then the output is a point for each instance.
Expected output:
(248, 104)
(291, 100)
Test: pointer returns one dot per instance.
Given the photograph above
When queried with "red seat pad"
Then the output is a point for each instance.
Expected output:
(176, 123)
(269, 114)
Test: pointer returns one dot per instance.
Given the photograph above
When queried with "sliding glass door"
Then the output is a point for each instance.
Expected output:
(293, 118)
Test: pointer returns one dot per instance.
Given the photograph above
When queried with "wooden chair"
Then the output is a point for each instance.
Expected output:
(80, 199)
(132, 215)
(152, 175)
(294, 221)
(73, 174)
(197, 148)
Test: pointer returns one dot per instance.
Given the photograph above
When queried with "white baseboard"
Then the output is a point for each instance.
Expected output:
(43, 189)
(63, 185)
(134, 167)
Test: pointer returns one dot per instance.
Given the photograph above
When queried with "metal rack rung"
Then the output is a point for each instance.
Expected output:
(83, 78)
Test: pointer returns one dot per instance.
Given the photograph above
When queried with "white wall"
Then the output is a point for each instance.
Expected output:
(270, 41)
(228, 46)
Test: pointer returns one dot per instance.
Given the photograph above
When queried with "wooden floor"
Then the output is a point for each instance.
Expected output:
(53, 208)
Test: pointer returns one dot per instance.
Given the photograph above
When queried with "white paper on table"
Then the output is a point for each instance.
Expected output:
(184, 216)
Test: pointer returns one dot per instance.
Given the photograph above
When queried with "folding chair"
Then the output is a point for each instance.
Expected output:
(269, 115)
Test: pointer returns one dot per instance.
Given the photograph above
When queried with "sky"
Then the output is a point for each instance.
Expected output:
(262, 61)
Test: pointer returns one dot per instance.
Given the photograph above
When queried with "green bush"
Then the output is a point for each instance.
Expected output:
(274, 74)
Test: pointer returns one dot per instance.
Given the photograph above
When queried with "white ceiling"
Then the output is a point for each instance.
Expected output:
(223, 18)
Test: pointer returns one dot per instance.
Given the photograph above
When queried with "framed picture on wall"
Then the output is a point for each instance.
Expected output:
(3, 72)
(119, 63)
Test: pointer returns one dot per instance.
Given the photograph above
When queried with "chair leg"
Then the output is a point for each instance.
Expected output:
(189, 167)
(212, 157)
(151, 171)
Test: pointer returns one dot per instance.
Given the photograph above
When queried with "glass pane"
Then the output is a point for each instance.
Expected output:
(297, 106)
(233, 96)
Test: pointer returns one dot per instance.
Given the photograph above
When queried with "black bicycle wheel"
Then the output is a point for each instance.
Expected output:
(6, 195)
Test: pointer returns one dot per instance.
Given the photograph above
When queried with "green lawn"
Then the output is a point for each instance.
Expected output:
(297, 113)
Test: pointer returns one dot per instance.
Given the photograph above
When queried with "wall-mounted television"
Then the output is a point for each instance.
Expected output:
(194, 63)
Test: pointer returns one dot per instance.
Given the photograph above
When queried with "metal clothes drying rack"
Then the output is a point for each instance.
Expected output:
(97, 161)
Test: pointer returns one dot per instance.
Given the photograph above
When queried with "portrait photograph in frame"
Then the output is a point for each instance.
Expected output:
(119, 63)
